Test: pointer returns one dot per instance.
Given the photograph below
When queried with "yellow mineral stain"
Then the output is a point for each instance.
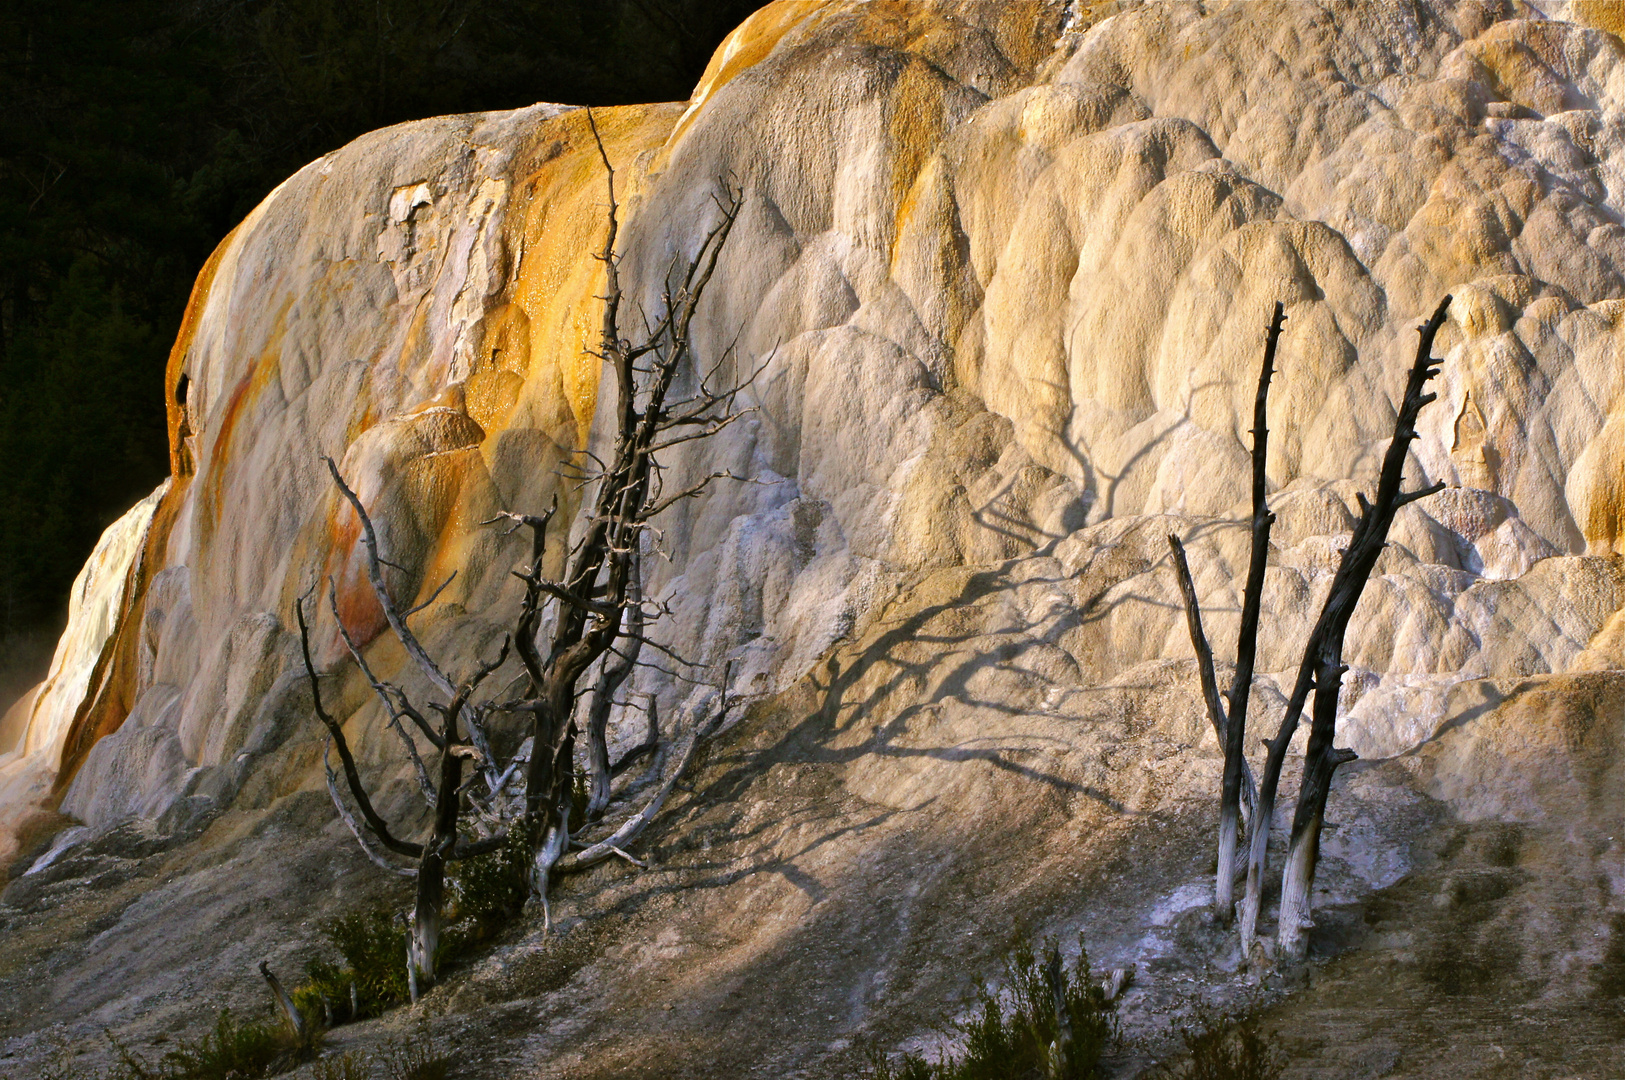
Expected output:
(559, 213)
(1606, 15)
(915, 126)
(1596, 488)
(751, 42)
(500, 367)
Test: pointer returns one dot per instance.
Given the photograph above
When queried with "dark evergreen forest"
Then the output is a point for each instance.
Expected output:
(135, 133)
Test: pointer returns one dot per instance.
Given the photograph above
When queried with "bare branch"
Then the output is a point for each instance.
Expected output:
(699, 489)
(470, 849)
(569, 596)
(1409, 497)
(290, 1012)
(1204, 654)
(382, 690)
(486, 668)
(408, 639)
(633, 826)
(639, 863)
(374, 822)
(349, 820)
(409, 612)
(653, 644)
(708, 428)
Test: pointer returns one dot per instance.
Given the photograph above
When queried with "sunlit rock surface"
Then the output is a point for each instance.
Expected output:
(1006, 270)
(33, 730)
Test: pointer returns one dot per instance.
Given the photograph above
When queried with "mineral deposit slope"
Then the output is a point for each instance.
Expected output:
(1006, 270)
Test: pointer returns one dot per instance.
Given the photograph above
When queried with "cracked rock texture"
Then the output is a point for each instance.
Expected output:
(1005, 270)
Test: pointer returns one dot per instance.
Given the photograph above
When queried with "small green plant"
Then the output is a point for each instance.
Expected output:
(1227, 1046)
(488, 890)
(416, 1058)
(238, 1049)
(1019, 1035)
(373, 977)
(234, 1050)
(346, 1066)
(483, 893)
(580, 797)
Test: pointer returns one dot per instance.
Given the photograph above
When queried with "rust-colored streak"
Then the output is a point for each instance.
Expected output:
(114, 681)
(247, 390)
(180, 458)
(358, 606)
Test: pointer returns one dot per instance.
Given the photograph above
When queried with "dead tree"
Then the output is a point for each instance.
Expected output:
(599, 615)
(1322, 669)
(1231, 725)
(442, 790)
(596, 603)
(1325, 652)
(617, 666)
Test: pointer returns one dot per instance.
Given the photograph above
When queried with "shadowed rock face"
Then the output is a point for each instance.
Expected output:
(1006, 269)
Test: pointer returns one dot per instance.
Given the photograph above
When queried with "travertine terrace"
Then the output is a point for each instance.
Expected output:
(1009, 266)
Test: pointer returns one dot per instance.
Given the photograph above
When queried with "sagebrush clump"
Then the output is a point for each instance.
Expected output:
(233, 1050)
(1017, 1035)
(1227, 1046)
(485, 892)
(373, 976)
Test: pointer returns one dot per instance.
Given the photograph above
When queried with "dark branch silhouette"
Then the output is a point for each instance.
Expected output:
(1322, 668)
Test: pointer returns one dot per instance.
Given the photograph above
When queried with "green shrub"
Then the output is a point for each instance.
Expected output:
(416, 1058)
(1016, 1038)
(240, 1050)
(234, 1050)
(373, 945)
(580, 796)
(347, 1066)
(492, 888)
(1227, 1046)
(482, 894)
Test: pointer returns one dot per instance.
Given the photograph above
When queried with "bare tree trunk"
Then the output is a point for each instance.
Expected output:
(1264, 812)
(598, 601)
(547, 801)
(1268, 789)
(1325, 650)
(1238, 787)
(1204, 667)
(1235, 746)
(431, 891)
(1320, 761)
(594, 594)
(556, 836)
(616, 670)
